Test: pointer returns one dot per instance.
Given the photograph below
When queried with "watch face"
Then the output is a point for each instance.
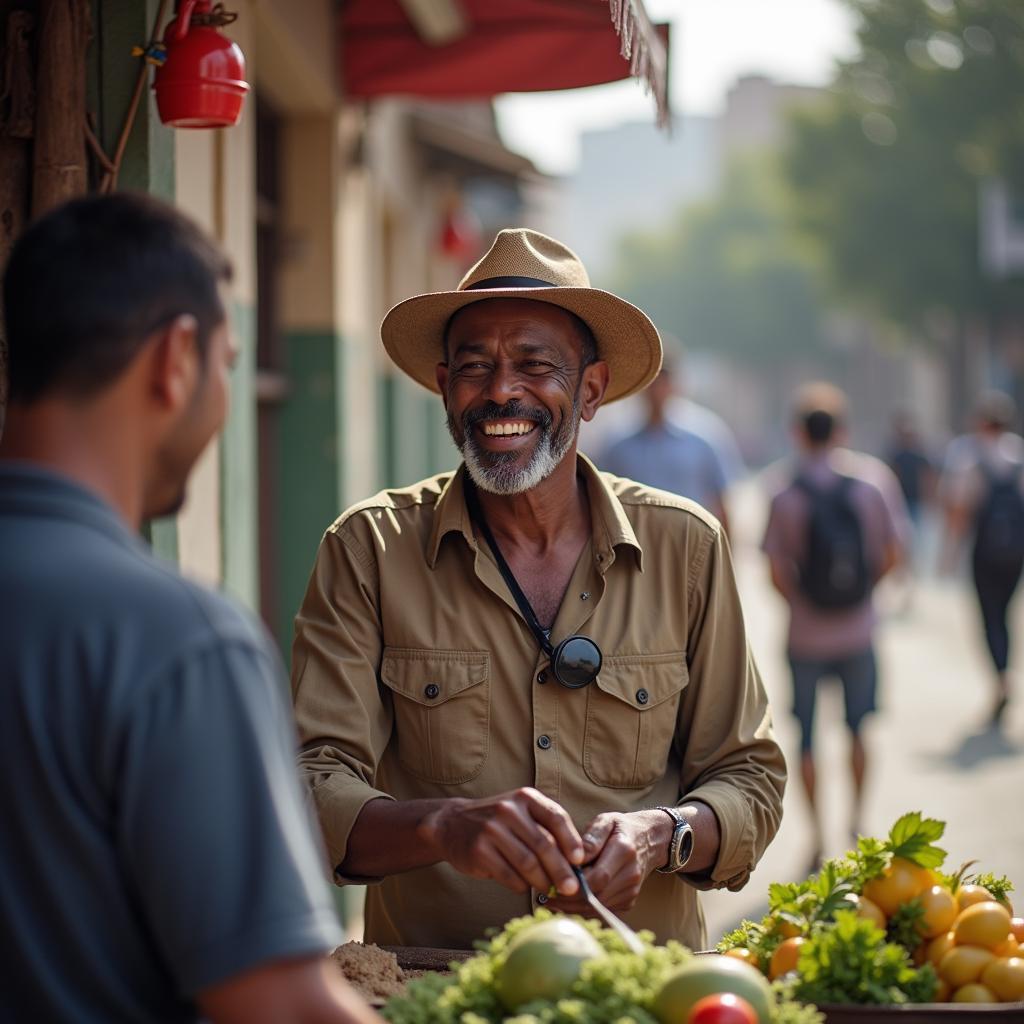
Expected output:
(686, 845)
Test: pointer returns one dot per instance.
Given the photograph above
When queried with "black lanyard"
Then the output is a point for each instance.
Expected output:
(476, 515)
(576, 660)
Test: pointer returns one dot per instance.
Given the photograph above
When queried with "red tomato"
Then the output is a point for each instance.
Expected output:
(722, 1008)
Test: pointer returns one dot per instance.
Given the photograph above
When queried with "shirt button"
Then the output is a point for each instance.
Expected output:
(542, 898)
(542, 677)
(543, 742)
(642, 696)
(432, 690)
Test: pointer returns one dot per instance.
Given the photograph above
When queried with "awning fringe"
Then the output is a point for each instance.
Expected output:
(639, 45)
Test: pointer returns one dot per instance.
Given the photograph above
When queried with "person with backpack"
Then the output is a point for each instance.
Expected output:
(983, 496)
(831, 535)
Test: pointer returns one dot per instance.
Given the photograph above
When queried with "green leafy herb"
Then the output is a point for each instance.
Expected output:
(906, 925)
(999, 885)
(850, 962)
(913, 838)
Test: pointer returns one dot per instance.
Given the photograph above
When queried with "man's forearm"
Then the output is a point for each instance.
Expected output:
(388, 839)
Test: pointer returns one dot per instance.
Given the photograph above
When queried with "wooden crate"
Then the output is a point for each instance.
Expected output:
(926, 1013)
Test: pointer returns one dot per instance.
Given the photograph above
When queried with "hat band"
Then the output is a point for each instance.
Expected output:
(510, 282)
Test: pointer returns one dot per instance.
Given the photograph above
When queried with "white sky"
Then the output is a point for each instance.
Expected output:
(713, 42)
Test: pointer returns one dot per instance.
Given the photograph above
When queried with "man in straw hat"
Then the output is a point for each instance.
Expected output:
(525, 665)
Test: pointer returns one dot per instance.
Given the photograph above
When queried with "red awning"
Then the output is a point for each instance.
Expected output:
(497, 46)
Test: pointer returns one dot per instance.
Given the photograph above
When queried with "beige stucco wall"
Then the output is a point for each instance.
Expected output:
(288, 51)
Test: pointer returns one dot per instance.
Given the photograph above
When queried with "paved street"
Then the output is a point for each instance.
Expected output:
(930, 750)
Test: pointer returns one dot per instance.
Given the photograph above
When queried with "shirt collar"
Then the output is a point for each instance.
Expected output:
(610, 525)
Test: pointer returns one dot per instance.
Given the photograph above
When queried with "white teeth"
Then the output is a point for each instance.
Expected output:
(503, 429)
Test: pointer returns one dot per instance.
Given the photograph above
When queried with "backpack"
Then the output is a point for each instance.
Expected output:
(834, 572)
(999, 522)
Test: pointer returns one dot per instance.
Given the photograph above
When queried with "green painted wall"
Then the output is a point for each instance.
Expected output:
(148, 163)
(309, 468)
(238, 500)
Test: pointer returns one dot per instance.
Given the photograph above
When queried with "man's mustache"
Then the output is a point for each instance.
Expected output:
(513, 410)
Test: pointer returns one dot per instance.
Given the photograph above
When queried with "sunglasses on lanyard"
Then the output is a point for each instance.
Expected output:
(576, 660)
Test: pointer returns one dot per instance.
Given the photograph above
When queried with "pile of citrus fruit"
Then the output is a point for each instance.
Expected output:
(948, 938)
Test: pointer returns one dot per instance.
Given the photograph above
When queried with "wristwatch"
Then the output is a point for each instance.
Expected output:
(680, 847)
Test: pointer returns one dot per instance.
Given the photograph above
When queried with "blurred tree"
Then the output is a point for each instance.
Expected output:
(729, 274)
(888, 172)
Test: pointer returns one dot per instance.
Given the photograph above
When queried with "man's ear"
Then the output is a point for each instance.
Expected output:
(175, 363)
(595, 384)
(441, 376)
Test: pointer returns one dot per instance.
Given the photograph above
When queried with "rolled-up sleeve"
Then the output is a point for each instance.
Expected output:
(730, 758)
(344, 723)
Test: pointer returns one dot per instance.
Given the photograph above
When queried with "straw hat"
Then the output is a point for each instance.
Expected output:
(524, 264)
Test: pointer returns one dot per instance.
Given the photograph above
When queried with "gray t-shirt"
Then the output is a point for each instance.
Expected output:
(672, 459)
(154, 838)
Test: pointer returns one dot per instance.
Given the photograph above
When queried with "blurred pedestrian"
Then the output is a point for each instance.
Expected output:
(156, 856)
(982, 492)
(830, 538)
(665, 455)
(908, 458)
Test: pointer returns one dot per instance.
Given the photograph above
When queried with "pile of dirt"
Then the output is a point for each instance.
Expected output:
(370, 970)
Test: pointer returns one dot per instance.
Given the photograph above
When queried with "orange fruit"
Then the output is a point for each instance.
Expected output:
(974, 993)
(940, 911)
(964, 964)
(785, 957)
(968, 895)
(1017, 927)
(982, 924)
(942, 991)
(899, 884)
(748, 956)
(939, 947)
(1006, 978)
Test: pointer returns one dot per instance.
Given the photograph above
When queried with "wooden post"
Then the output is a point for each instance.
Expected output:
(59, 167)
(17, 122)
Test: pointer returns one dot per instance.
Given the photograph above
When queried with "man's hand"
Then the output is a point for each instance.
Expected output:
(520, 839)
(621, 850)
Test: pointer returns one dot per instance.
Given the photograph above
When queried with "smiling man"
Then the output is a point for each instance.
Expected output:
(525, 665)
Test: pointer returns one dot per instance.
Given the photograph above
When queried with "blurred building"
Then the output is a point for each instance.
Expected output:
(652, 177)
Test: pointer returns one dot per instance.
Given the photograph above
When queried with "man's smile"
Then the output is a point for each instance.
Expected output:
(505, 428)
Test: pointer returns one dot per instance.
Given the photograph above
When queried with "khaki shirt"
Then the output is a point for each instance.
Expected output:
(415, 676)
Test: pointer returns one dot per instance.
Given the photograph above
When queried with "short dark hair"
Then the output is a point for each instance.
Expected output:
(588, 342)
(90, 281)
(819, 409)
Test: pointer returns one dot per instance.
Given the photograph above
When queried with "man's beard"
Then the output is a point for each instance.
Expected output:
(496, 472)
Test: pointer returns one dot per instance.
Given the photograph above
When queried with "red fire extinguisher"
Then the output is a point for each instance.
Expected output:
(201, 82)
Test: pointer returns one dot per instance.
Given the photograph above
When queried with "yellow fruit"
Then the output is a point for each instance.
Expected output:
(942, 991)
(1017, 927)
(964, 964)
(867, 909)
(982, 924)
(785, 957)
(901, 882)
(968, 895)
(1009, 948)
(939, 947)
(940, 911)
(742, 953)
(1006, 978)
(974, 993)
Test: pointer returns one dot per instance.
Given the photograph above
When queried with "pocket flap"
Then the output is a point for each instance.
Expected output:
(643, 681)
(415, 673)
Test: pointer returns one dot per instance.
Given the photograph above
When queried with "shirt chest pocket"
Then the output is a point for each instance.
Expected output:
(631, 719)
(442, 711)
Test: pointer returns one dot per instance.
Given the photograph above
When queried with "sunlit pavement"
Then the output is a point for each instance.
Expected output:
(929, 747)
